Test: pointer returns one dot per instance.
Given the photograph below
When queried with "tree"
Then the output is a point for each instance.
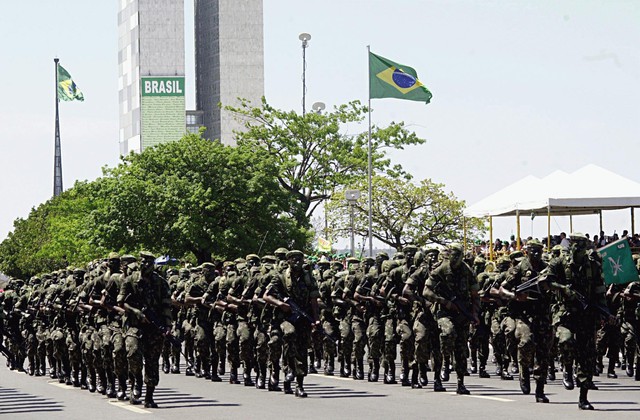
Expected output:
(53, 236)
(403, 212)
(314, 155)
(195, 197)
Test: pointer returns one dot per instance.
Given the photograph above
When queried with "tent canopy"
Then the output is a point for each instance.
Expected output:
(585, 191)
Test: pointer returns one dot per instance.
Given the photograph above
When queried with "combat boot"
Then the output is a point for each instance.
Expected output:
(629, 366)
(221, 368)
(583, 403)
(462, 390)
(111, 387)
(233, 376)
(312, 362)
(437, 385)
(505, 375)
(611, 371)
(415, 383)
(376, 371)
(567, 378)
(390, 376)
(274, 380)
(92, 382)
(122, 388)
(261, 383)
(540, 397)
(246, 377)
(404, 375)
(474, 362)
(329, 367)
(165, 365)
(360, 374)
(551, 373)
(300, 392)
(198, 369)
(525, 381)
(346, 369)
(482, 373)
(83, 378)
(148, 397)
(75, 378)
(446, 371)
(286, 386)
(424, 380)
(136, 392)
(213, 363)
(637, 376)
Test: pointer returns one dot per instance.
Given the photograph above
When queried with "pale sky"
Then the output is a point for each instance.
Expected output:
(519, 87)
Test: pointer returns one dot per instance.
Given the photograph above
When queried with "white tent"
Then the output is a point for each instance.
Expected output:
(585, 191)
(588, 190)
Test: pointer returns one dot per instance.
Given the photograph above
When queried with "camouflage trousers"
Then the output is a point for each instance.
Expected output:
(345, 349)
(204, 344)
(245, 344)
(630, 330)
(233, 345)
(143, 350)
(425, 332)
(390, 341)
(533, 338)
(608, 340)
(359, 329)
(275, 345)
(375, 335)
(576, 341)
(453, 339)
(220, 338)
(296, 339)
(331, 327)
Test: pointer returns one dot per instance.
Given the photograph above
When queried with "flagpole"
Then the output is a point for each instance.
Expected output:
(57, 159)
(369, 153)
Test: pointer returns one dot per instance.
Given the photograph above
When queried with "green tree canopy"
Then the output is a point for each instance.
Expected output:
(197, 197)
(314, 154)
(403, 212)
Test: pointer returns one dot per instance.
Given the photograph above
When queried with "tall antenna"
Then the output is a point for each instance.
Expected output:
(57, 159)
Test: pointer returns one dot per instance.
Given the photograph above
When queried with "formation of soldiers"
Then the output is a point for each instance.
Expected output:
(279, 317)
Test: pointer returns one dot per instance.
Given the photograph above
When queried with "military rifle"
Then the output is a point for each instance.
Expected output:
(582, 300)
(532, 284)
(458, 304)
(297, 312)
(175, 342)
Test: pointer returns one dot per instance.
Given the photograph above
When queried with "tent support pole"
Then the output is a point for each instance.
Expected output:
(518, 229)
(548, 227)
(490, 238)
(600, 216)
(570, 223)
(464, 233)
(633, 222)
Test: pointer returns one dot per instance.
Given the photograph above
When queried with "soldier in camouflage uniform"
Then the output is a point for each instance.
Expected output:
(146, 298)
(299, 286)
(425, 327)
(502, 324)
(631, 328)
(358, 325)
(453, 289)
(368, 292)
(479, 334)
(532, 313)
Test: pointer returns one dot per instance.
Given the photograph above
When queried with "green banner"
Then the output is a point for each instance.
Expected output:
(617, 263)
(162, 86)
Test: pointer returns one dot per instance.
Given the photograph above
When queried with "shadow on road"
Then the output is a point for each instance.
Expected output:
(13, 401)
(337, 392)
(168, 398)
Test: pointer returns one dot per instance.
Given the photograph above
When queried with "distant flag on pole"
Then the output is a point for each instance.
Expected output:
(617, 263)
(67, 89)
(324, 245)
(388, 79)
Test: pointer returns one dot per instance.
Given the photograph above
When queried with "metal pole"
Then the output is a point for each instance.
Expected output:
(633, 222)
(353, 247)
(518, 229)
(464, 233)
(57, 159)
(491, 238)
(548, 226)
(369, 162)
(570, 223)
(600, 216)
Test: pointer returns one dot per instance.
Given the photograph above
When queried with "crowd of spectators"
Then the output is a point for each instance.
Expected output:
(502, 247)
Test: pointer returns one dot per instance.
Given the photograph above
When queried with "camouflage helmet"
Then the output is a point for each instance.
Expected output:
(281, 252)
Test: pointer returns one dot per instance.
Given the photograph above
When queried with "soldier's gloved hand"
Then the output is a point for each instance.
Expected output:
(569, 294)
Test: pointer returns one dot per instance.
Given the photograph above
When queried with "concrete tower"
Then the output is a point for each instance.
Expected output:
(229, 56)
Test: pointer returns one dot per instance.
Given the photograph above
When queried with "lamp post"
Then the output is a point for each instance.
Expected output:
(318, 107)
(352, 197)
(304, 37)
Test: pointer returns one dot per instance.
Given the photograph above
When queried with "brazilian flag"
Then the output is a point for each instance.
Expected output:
(67, 89)
(392, 80)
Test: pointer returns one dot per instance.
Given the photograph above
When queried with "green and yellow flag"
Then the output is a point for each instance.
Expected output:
(67, 89)
(392, 80)
(617, 263)
(324, 245)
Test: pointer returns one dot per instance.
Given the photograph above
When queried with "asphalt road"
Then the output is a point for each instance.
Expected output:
(181, 397)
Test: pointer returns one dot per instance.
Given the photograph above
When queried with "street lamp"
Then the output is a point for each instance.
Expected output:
(304, 37)
(352, 197)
